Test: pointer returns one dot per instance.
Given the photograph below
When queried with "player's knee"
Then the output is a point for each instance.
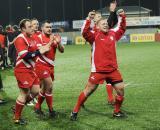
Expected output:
(48, 85)
(121, 92)
(119, 88)
(49, 89)
(35, 93)
(22, 97)
(35, 90)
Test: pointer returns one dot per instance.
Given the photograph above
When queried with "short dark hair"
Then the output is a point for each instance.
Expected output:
(34, 19)
(23, 22)
(46, 21)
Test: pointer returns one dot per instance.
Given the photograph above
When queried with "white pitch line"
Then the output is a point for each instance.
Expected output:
(139, 84)
(127, 84)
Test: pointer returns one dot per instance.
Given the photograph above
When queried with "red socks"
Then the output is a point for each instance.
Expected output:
(41, 97)
(109, 90)
(118, 103)
(18, 109)
(82, 98)
(49, 100)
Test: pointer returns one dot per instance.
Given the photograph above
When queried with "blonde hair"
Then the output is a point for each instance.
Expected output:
(103, 18)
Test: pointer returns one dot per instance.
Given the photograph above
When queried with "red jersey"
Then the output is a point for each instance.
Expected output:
(23, 45)
(37, 39)
(2, 41)
(49, 57)
(104, 45)
(36, 34)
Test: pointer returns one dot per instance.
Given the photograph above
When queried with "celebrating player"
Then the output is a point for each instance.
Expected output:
(112, 21)
(104, 61)
(45, 68)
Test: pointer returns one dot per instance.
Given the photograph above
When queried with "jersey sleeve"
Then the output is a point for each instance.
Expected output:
(87, 33)
(121, 27)
(21, 47)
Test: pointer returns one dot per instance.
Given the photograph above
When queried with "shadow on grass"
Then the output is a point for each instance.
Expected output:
(63, 122)
(90, 111)
(6, 116)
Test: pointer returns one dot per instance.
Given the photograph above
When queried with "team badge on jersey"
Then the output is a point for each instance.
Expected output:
(45, 72)
(25, 83)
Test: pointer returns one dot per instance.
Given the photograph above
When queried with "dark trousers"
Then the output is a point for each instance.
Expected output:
(4, 57)
(12, 54)
(1, 84)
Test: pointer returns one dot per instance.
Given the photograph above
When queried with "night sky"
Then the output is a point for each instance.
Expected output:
(12, 11)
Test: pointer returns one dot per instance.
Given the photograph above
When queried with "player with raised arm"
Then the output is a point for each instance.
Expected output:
(112, 21)
(104, 62)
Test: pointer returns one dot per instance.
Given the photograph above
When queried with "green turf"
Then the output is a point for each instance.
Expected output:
(139, 64)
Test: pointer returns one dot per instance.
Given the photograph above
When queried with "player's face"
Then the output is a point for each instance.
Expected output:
(28, 28)
(47, 28)
(103, 25)
(35, 25)
(97, 17)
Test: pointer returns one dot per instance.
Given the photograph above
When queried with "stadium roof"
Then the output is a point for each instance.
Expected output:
(130, 11)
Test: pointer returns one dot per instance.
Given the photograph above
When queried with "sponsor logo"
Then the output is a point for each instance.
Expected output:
(142, 37)
(25, 83)
(92, 77)
(111, 37)
(33, 55)
(45, 72)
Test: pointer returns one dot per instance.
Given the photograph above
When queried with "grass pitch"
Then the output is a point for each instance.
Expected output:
(139, 64)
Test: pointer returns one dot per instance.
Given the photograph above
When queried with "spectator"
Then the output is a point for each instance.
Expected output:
(2, 101)
(10, 47)
(1, 84)
(11, 50)
(158, 30)
(3, 48)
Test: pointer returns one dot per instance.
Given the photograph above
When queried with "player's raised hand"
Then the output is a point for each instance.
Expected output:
(52, 39)
(57, 38)
(113, 6)
(44, 49)
(91, 15)
(120, 12)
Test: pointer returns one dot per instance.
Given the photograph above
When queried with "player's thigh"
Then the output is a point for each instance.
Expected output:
(23, 93)
(35, 89)
(115, 77)
(47, 82)
(42, 85)
(90, 87)
(119, 86)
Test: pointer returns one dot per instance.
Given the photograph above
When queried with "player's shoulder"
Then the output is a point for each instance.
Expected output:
(111, 32)
(20, 39)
